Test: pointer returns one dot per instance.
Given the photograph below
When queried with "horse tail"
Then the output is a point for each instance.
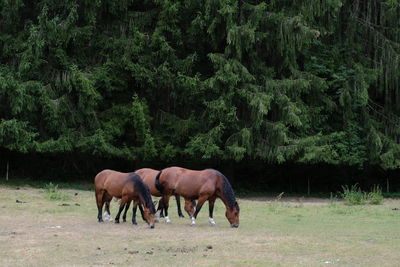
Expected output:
(157, 183)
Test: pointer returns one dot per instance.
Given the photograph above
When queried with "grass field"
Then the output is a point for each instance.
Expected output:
(294, 232)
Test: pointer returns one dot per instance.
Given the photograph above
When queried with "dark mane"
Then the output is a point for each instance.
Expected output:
(228, 191)
(157, 182)
(143, 191)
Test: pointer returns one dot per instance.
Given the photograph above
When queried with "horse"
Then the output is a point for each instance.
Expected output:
(126, 186)
(149, 176)
(203, 185)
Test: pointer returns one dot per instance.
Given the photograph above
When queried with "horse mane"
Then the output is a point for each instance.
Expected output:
(157, 182)
(143, 191)
(227, 191)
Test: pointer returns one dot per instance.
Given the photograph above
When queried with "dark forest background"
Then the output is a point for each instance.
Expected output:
(278, 95)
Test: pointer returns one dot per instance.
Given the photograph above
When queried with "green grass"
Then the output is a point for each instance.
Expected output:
(272, 232)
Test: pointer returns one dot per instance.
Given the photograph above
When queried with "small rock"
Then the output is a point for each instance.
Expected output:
(77, 204)
(13, 233)
(125, 248)
(17, 188)
(98, 248)
(55, 227)
(19, 201)
(55, 235)
(133, 252)
(396, 209)
(76, 194)
(209, 247)
(64, 204)
(173, 254)
(204, 255)
(149, 252)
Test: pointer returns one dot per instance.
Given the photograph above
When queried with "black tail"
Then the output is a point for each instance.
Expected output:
(157, 183)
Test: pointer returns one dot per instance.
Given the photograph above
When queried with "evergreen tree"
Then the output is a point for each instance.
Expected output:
(300, 81)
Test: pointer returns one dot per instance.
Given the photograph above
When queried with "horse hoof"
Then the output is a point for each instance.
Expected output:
(134, 223)
(101, 221)
(167, 220)
(211, 222)
(116, 222)
(181, 216)
(107, 217)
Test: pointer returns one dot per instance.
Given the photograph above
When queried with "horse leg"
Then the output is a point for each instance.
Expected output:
(211, 210)
(121, 208)
(126, 210)
(134, 209)
(107, 213)
(200, 203)
(165, 199)
(160, 209)
(189, 207)
(178, 203)
(99, 201)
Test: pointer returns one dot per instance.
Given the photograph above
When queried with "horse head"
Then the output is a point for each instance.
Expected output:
(232, 214)
(149, 215)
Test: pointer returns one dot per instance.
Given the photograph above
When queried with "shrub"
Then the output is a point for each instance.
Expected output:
(375, 197)
(52, 192)
(353, 195)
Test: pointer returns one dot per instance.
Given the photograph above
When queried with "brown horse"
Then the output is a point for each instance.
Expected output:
(203, 185)
(149, 177)
(126, 186)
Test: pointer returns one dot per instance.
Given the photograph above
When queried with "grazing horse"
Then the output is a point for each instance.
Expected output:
(203, 185)
(126, 186)
(149, 177)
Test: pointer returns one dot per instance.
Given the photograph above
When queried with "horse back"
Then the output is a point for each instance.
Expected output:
(111, 181)
(148, 177)
(192, 183)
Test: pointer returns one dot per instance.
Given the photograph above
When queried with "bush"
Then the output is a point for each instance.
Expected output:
(52, 192)
(354, 195)
(375, 197)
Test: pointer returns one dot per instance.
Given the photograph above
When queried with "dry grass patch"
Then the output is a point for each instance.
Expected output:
(42, 232)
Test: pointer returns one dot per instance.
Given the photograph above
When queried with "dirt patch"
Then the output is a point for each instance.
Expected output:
(182, 250)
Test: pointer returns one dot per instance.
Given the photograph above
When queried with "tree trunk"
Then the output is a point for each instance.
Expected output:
(7, 171)
(387, 185)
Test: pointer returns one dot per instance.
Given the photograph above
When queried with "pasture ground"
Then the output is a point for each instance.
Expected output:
(41, 232)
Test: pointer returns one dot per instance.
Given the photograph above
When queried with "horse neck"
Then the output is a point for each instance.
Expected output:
(142, 199)
(223, 197)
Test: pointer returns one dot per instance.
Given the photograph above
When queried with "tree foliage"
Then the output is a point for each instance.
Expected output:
(279, 81)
